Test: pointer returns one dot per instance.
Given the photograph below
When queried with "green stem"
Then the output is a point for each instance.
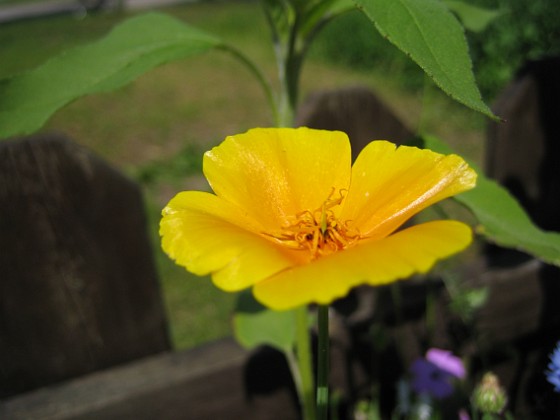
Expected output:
(323, 363)
(292, 65)
(263, 81)
(305, 364)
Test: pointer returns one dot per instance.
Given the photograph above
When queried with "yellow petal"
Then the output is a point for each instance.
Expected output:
(389, 185)
(207, 235)
(274, 174)
(412, 250)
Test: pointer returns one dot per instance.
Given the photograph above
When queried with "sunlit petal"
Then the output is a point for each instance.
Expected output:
(206, 235)
(389, 185)
(274, 174)
(413, 250)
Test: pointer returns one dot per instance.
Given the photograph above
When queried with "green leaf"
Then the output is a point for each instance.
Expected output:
(430, 35)
(132, 48)
(502, 219)
(255, 325)
(474, 18)
(321, 12)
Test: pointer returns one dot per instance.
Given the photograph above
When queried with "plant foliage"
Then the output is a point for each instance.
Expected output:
(132, 48)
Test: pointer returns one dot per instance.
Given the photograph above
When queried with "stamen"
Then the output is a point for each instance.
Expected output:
(318, 231)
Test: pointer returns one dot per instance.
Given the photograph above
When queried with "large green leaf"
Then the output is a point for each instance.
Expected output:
(502, 219)
(255, 325)
(132, 48)
(430, 35)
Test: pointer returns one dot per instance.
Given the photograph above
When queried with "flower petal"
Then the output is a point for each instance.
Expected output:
(377, 262)
(429, 378)
(274, 174)
(446, 361)
(207, 235)
(389, 185)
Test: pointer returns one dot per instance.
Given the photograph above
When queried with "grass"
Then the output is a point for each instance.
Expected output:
(157, 128)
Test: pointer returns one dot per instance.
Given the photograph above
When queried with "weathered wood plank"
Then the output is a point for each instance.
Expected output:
(209, 382)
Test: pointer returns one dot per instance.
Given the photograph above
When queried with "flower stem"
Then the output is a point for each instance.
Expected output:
(323, 363)
(305, 364)
(263, 81)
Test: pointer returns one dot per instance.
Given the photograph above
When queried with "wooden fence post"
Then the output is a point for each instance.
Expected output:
(78, 286)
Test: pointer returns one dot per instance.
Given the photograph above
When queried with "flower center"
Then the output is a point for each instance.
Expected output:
(318, 231)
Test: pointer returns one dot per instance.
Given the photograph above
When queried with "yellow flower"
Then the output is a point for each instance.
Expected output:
(293, 218)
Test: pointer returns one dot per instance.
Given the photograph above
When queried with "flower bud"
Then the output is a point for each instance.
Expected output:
(489, 397)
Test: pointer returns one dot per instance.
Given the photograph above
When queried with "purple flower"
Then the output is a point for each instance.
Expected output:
(553, 372)
(445, 360)
(434, 374)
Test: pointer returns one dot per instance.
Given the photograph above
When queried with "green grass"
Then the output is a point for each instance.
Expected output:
(157, 128)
